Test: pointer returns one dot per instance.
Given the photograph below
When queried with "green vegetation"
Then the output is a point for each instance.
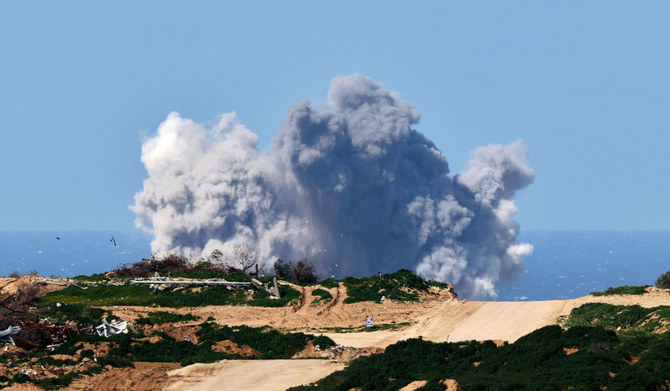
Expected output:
(162, 317)
(141, 295)
(623, 290)
(376, 327)
(128, 348)
(92, 278)
(329, 283)
(80, 313)
(271, 343)
(581, 358)
(323, 296)
(627, 319)
(402, 285)
(132, 347)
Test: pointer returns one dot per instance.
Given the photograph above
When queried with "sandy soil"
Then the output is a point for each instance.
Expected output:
(507, 321)
(243, 375)
(440, 317)
(145, 376)
(9, 285)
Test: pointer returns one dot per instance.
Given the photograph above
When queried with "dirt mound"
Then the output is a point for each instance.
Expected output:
(233, 348)
(10, 285)
(23, 387)
(145, 376)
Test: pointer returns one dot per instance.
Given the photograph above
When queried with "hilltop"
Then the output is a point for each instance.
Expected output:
(325, 322)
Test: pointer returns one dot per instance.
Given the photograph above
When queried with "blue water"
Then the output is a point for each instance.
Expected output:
(75, 253)
(564, 264)
(569, 264)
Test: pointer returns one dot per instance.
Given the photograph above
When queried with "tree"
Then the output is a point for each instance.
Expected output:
(663, 280)
(283, 269)
(244, 257)
(305, 272)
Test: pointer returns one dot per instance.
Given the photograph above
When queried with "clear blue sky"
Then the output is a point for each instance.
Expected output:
(586, 85)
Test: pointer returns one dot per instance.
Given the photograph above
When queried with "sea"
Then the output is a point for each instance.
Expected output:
(563, 265)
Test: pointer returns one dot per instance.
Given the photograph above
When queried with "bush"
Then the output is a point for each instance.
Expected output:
(283, 269)
(171, 263)
(305, 272)
(93, 277)
(329, 283)
(663, 280)
(323, 342)
(80, 313)
(162, 317)
(623, 290)
(402, 285)
(323, 295)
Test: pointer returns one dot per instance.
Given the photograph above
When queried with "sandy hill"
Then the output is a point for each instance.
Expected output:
(439, 316)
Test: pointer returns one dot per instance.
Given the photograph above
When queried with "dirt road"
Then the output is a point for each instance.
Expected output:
(250, 375)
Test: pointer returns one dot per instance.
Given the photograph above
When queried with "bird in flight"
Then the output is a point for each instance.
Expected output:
(57, 237)
(113, 241)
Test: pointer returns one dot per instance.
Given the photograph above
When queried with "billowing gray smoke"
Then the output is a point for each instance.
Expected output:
(349, 185)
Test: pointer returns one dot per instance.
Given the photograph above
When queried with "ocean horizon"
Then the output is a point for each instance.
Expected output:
(563, 265)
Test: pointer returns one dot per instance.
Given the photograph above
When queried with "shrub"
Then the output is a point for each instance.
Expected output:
(283, 269)
(329, 283)
(663, 280)
(323, 295)
(323, 342)
(162, 317)
(80, 313)
(402, 285)
(170, 263)
(93, 277)
(623, 290)
(305, 272)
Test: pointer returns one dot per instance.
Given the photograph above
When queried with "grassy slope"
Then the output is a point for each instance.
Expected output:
(539, 361)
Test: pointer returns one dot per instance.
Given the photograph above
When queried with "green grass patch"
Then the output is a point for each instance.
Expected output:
(80, 313)
(162, 317)
(323, 296)
(402, 285)
(623, 290)
(329, 283)
(92, 278)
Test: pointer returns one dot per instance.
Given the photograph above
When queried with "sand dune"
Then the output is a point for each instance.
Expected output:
(250, 375)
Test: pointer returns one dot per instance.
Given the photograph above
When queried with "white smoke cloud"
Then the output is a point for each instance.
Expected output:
(349, 185)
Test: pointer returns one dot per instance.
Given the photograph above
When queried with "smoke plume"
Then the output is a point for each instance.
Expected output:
(349, 185)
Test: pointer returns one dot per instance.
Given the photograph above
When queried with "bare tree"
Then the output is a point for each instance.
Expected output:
(244, 257)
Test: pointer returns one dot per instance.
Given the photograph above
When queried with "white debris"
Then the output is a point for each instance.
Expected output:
(115, 327)
(6, 335)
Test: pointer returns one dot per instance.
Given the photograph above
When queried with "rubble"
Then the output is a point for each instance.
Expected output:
(6, 335)
(107, 329)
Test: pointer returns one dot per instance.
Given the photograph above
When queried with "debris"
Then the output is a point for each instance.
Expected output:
(369, 322)
(107, 329)
(274, 291)
(6, 335)
(191, 282)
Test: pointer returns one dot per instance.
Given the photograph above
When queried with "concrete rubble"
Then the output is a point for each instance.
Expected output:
(6, 335)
